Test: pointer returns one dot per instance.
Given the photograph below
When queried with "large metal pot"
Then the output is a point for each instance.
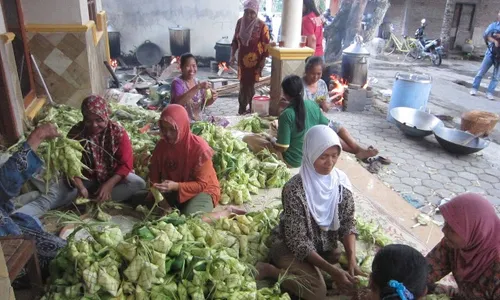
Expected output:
(223, 50)
(180, 40)
(148, 54)
(114, 42)
(355, 63)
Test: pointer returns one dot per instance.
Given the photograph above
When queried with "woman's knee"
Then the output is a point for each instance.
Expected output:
(135, 182)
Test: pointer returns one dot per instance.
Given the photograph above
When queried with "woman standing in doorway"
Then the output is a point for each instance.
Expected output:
(251, 38)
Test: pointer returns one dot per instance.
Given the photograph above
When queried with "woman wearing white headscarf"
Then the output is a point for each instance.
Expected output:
(318, 211)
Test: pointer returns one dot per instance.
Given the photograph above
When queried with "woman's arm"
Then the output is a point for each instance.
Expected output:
(347, 230)
(308, 28)
(23, 163)
(439, 264)
(125, 164)
(202, 176)
(234, 44)
(178, 97)
(284, 132)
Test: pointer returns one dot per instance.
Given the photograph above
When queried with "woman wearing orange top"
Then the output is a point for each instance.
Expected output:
(181, 168)
(250, 39)
(181, 165)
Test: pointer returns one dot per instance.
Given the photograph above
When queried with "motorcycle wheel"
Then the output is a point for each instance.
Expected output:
(436, 58)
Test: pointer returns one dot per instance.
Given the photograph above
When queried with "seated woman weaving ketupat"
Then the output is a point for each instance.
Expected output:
(181, 168)
(193, 94)
(108, 156)
(318, 211)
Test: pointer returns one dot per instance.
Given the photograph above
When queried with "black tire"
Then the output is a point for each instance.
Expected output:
(436, 58)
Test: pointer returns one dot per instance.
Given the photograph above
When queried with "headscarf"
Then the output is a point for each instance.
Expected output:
(103, 146)
(474, 219)
(247, 27)
(189, 151)
(323, 192)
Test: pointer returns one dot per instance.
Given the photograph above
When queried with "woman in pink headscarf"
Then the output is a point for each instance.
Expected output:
(251, 38)
(470, 249)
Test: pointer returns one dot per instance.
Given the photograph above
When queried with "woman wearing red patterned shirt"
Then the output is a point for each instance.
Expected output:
(108, 156)
(470, 249)
(312, 27)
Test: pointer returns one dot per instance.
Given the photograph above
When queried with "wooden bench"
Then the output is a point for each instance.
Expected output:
(20, 252)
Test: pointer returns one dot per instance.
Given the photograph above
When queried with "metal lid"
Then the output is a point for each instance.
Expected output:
(178, 27)
(224, 41)
(357, 47)
(420, 78)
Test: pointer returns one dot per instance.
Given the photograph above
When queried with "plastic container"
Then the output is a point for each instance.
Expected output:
(260, 105)
(410, 90)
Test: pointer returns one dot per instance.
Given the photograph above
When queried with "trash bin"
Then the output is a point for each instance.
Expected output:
(410, 90)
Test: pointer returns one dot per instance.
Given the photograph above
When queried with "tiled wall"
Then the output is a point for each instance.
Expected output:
(279, 70)
(67, 63)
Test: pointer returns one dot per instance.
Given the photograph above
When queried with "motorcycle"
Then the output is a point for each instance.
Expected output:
(426, 48)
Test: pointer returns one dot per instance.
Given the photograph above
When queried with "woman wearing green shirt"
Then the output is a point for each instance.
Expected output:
(296, 120)
(298, 117)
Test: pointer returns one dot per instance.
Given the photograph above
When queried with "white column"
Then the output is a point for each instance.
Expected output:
(291, 23)
(269, 7)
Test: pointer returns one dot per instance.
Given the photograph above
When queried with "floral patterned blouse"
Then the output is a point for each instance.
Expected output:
(250, 57)
(441, 262)
(298, 231)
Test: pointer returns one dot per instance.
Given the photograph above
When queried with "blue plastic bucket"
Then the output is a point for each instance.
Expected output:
(410, 90)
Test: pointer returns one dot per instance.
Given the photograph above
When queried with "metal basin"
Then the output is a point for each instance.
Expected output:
(458, 141)
(414, 122)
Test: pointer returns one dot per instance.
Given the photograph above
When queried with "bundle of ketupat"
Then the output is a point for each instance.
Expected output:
(172, 258)
(62, 156)
(240, 172)
(253, 124)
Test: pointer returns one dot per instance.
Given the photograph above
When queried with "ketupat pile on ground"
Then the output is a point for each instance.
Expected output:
(240, 172)
(170, 258)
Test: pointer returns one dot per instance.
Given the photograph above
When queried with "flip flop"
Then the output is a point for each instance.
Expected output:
(384, 160)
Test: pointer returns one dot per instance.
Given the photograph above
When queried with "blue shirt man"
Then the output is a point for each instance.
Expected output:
(492, 37)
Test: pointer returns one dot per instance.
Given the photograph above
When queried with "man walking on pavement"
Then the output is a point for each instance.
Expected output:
(491, 58)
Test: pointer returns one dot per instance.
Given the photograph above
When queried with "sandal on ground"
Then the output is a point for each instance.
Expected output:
(381, 159)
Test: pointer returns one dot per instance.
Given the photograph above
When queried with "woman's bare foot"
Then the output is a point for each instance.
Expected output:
(366, 153)
(236, 210)
(265, 270)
